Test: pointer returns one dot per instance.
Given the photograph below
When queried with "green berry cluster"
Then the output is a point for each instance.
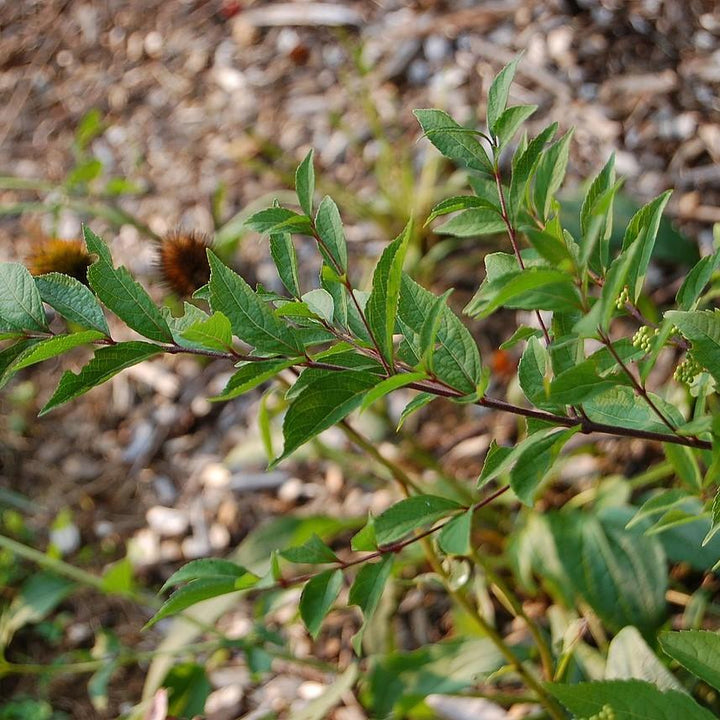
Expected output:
(606, 713)
(643, 338)
(687, 370)
(622, 298)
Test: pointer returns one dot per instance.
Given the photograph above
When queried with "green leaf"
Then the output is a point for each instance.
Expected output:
(57, 345)
(473, 223)
(659, 504)
(497, 460)
(549, 246)
(419, 401)
(188, 688)
(382, 305)
(72, 300)
(122, 294)
(412, 513)
(368, 586)
(498, 94)
(325, 399)
(313, 552)
(510, 121)
(430, 329)
(364, 539)
(685, 465)
(523, 167)
(394, 382)
(702, 329)
(252, 319)
(630, 657)
(582, 382)
(695, 281)
(599, 186)
(250, 375)
(330, 231)
(550, 173)
(205, 568)
(9, 355)
(532, 370)
(534, 461)
(456, 359)
(452, 140)
(305, 184)
(522, 333)
(536, 288)
(460, 202)
(213, 332)
(285, 259)
(696, 650)
(279, 220)
(715, 517)
(198, 590)
(84, 173)
(643, 229)
(454, 538)
(321, 303)
(106, 363)
(21, 307)
(318, 597)
(621, 407)
(629, 700)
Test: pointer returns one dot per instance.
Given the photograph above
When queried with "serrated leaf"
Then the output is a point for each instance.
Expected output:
(305, 183)
(411, 513)
(285, 259)
(695, 281)
(251, 319)
(196, 591)
(474, 222)
(57, 345)
(643, 229)
(523, 166)
(702, 329)
(214, 332)
(205, 568)
(498, 93)
(497, 460)
(122, 294)
(549, 246)
(456, 359)
(321, 303)
(279, 220)
(452, 140)
(328, 225)
(715, 519)
(550, 174)
(250, 375)
(323, 401)
(510, 122)
(602, 182)
(73, 300)
(532, 370)
(366, 591)
(454, 538)
(364, 539)
(460, 202)
(582, 382)
(318, 597)
(21, 307)
(533, 462)
(9, 355)
(537, 288)
(659, 504)
(419, 401)
(388, 385)
(621, 407)
(696, 650)
(685, 465)
(313, 552)
(522, 333)
(106, 363)
(629, 700)
(382, 305)
(430, 329)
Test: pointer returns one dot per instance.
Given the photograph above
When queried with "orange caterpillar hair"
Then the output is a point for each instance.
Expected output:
(182, 261)
(69, 257)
